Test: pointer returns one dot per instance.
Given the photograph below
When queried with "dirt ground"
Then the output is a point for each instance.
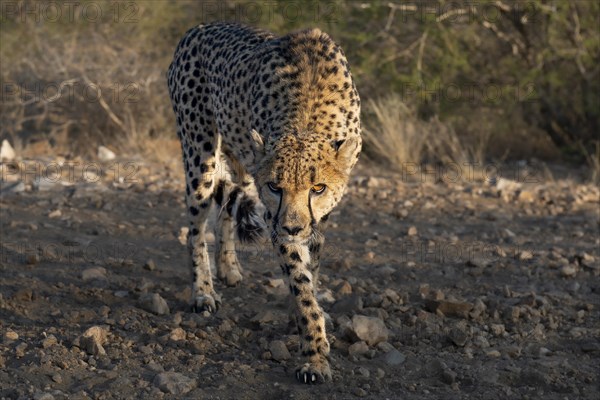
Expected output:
(488, 289)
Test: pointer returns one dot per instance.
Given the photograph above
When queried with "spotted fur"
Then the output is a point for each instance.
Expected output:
(269, 122)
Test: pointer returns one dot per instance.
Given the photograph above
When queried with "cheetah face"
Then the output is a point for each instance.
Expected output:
(301, 183)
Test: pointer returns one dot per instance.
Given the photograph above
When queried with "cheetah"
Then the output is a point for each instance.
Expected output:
(270, 131)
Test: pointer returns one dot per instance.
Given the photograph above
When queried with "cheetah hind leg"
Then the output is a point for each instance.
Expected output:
(229, 270)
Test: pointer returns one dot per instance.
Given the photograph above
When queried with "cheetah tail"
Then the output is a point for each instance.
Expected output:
(250, 225)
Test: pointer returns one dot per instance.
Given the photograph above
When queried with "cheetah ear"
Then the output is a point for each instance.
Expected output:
(259, 145)
(346, 148)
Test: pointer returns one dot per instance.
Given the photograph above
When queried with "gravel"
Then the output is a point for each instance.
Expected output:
(495, 296)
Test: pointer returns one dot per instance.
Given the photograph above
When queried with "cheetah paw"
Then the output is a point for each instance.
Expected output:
(206, 302)
(313, 373)
(232, 278)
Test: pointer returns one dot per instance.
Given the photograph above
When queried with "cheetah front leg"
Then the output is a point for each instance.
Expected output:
(309, 316)
(199, 188)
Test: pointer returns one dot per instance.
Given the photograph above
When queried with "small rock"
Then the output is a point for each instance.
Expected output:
(481, 342)
(174, 383)
(183, 234)
(493, 353)
(57, 378)
(274, 283)
(590, 346)
(155, 367)
(358, 348)
(325, 296)
(177, 334)
(498, 329)
(371, 243)
(449, 308)
(394, 357)
(104, 311)
(24, 294)
(105, 154)
(510, 233)
(587, 260)
(7, 153)
(544, 352)
(55, 214)
(11, 335)
(341, 265)
(49, 341)
(525, 255)
(344, 289)
(373, 300)
(370, 329)
(20, 350)
(348, 305)
(93, 339)
(279, 350)
(448, 376)
(45, 184)
(33, 259)
(362, 371)
(385, 346)
(568, 271)
(507, 186)
(94, 273)
(372, 182)
(265, 317)
(478, 309)
(477, 262)
(527, 196)
(458, 336)
(154, 303)
(412, 231)
(150, 265)
(392, 295)
(359, 392)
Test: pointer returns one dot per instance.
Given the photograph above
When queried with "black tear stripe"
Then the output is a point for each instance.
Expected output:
(313, 221)
(276, 217)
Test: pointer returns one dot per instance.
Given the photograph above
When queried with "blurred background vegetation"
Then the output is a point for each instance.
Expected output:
(440, 80)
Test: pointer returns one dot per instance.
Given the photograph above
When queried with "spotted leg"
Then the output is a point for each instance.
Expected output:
(201, 163)
(309, 316)
(229, 269)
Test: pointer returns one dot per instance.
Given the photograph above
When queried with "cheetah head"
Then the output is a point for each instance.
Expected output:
(300, 181)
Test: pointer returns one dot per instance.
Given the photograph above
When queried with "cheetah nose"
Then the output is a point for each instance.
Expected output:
(292, 230)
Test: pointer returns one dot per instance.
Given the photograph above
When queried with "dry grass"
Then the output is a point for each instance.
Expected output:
(394, 133)
(592, 159)
(72, 91)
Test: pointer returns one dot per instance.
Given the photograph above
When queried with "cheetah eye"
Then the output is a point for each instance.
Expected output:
(274, 188)
(318, 189)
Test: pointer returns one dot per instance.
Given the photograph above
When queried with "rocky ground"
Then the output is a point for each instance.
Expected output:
(436, 288)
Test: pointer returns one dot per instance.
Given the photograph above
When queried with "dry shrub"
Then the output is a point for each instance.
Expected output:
(75, 87)
(393, 133)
